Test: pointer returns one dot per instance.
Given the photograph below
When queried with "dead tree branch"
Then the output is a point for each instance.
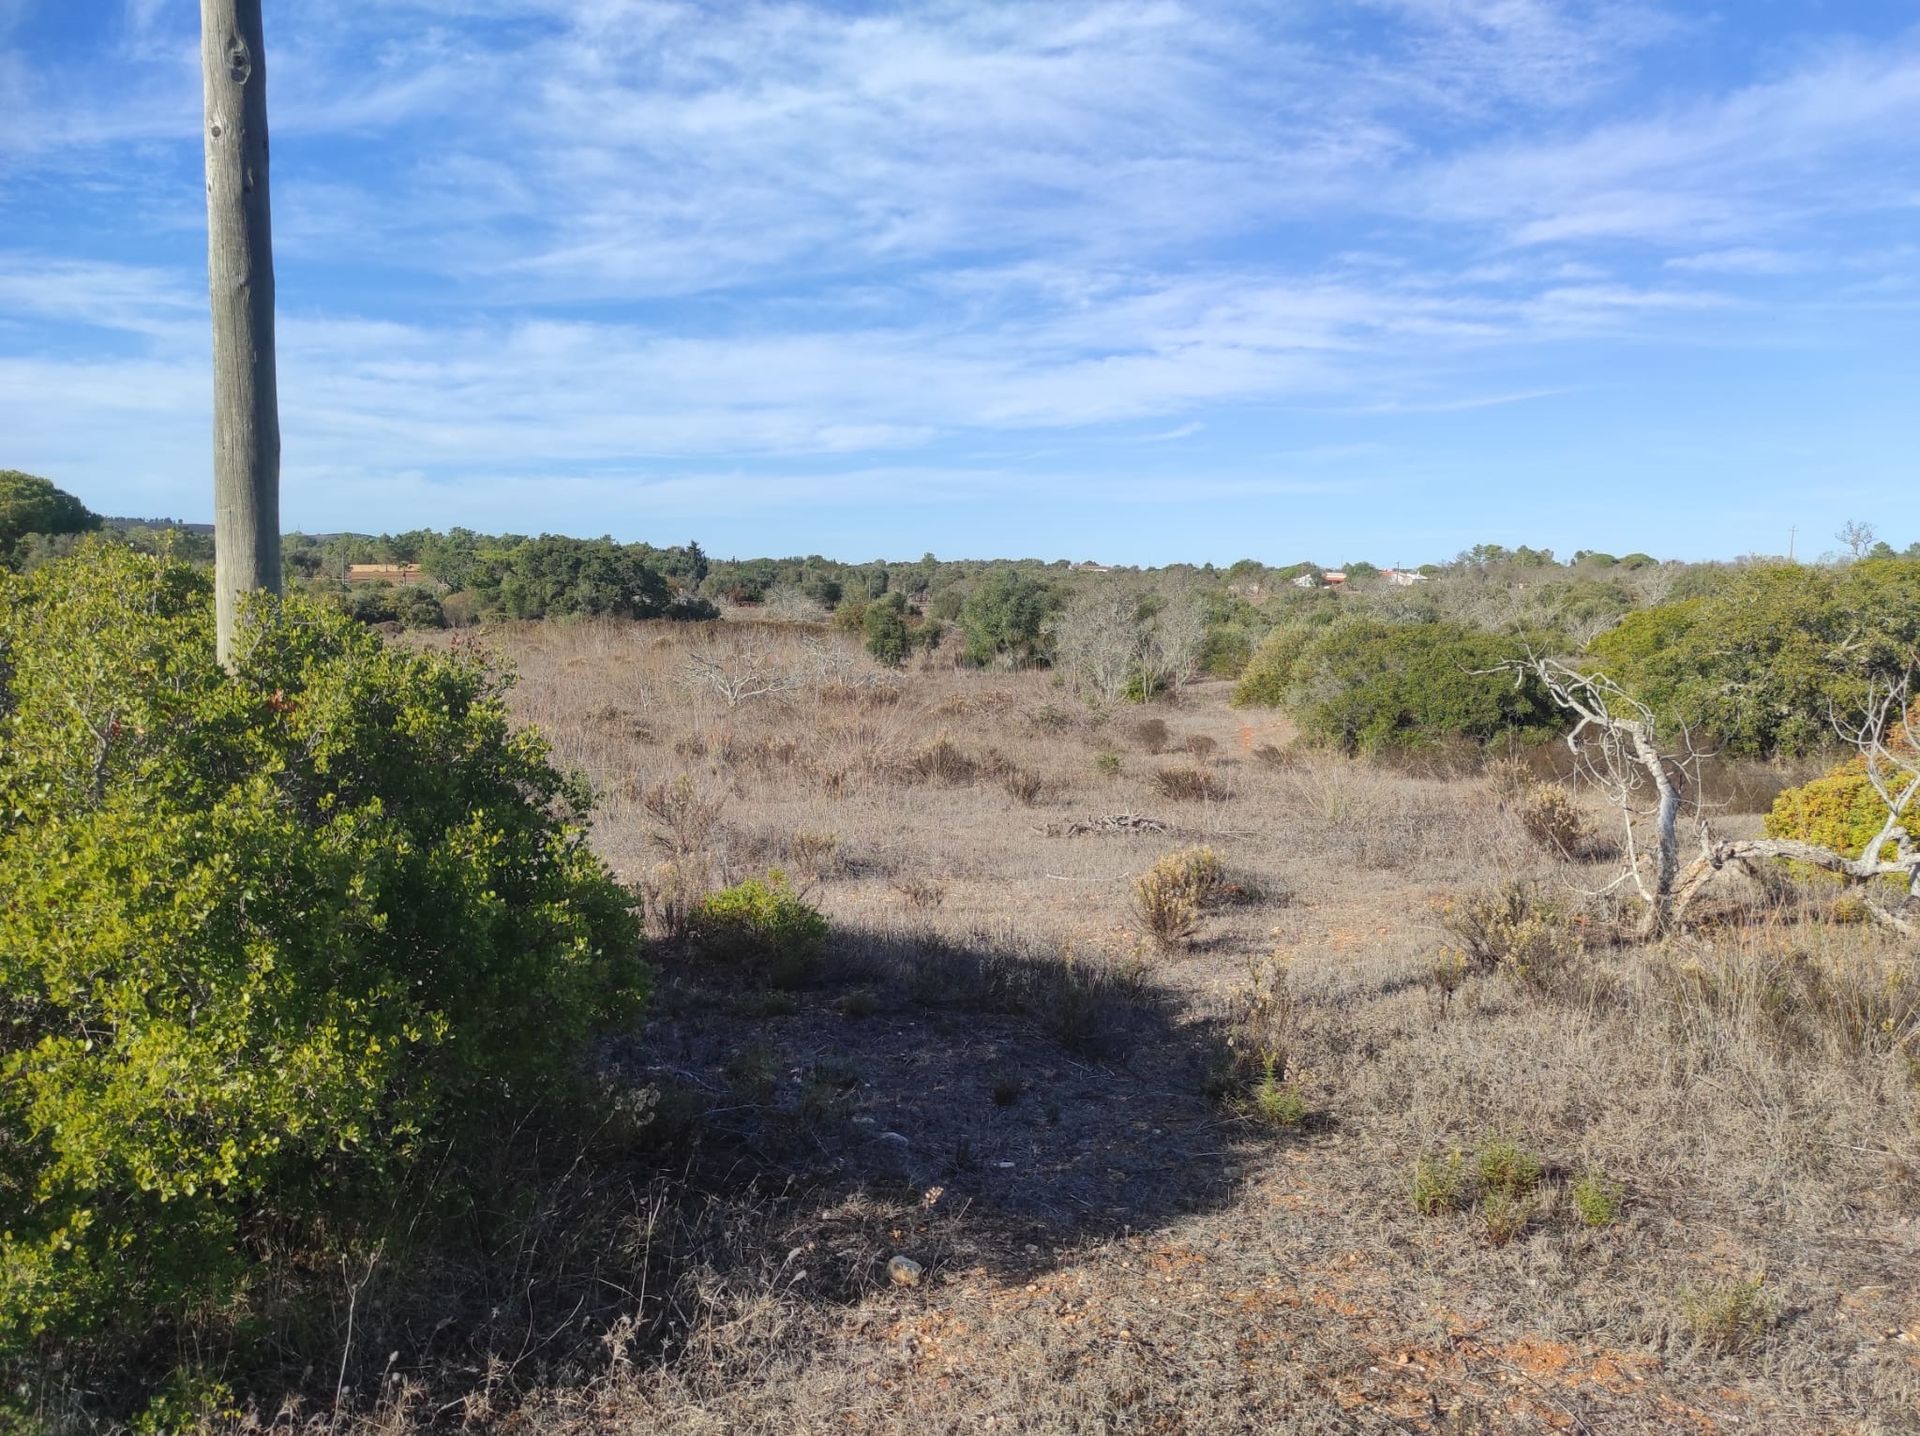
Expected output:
(1617, 748)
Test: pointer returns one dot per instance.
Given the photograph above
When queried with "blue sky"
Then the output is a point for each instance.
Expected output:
(1142, 280)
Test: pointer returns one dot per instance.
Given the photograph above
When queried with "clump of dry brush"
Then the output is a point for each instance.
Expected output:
(1169, 897)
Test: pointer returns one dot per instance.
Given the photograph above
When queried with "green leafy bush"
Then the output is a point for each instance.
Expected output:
(409, 606)
(1509, 1169)
(1440, 1185)
(1597, 1200)
(1277, 1103)
(267, 939)
(884, 622)
(1365, 683)
(1759, 660)
(1268, 674)
(1730, 1317)
(1005, 618)
(763, 922)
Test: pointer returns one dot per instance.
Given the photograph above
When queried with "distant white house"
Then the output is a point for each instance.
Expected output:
(1336, 578)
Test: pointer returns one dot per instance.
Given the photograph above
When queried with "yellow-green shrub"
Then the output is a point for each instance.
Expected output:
(1839, 810)
(266, 939)
(1268, 674)
(766, 922)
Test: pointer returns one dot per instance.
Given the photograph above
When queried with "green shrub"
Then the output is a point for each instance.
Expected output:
(763, 922)
(1268, 674)
(1504, 1216)
(1227, 651)
(1728, 1318)
(1509, 1169)
(409, 606)
(884, 623)
(1596, 1200)
(267, 940)
(1440, 1186)
(1369, 684)
(1366, 683)
(1277, 1103)
(1005, 619)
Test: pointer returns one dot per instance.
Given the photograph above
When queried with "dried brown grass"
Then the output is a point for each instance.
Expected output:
(1748, 1096)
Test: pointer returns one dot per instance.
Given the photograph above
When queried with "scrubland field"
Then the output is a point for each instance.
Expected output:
(1391, 1127)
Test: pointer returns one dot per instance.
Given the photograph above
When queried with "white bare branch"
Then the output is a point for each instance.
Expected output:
(1617, 747)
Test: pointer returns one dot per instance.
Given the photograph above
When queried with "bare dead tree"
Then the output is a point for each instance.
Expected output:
(246, 406)
(1884, 734)
(794, 604)
(1617, 747)
(1097, 639)
(838, 667)
(1173, 643)
(1858, 538)
(740, 674)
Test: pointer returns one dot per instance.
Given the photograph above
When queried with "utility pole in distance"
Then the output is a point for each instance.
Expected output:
(246, 405)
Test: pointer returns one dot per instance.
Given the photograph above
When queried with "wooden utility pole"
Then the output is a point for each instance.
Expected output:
(246, 405)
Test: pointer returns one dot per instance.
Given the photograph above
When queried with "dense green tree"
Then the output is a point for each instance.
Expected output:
(32, 505)
(884, 623)
(557, 577)
(407, 547)
(1005, 618)
(1762, 660)
(452, 557)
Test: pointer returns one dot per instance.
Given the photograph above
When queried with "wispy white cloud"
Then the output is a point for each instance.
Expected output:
(1548, 53)
(1744, 259)
(1824, 140)
(627, 236)
(486, 394)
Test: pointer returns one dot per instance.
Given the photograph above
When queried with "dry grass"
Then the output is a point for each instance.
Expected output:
(1318, 1175)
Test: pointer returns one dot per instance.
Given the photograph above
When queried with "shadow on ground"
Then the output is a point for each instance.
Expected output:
(980, 1106)
(1049, 1098)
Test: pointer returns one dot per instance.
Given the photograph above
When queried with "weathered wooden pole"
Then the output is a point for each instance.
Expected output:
(246, 405)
